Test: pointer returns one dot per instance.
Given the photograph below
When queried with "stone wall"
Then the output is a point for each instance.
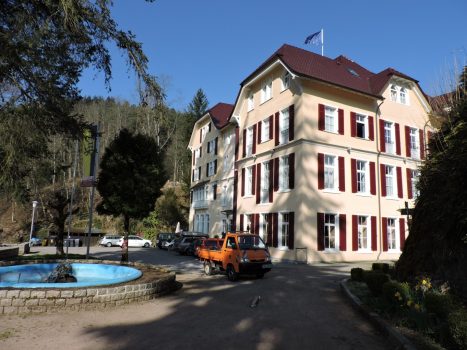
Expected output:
(8, 252)
(23, 301)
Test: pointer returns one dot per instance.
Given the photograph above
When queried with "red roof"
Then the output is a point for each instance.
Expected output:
(340, 71)
(220, 114)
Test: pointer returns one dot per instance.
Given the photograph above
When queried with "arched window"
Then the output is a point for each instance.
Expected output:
(403, 96)
(393, 93)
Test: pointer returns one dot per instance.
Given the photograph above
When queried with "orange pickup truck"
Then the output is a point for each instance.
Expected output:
(241, 253)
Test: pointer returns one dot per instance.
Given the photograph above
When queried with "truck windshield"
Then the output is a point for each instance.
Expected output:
(250, 242)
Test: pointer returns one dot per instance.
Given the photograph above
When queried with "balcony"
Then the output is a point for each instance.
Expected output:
(203, 204)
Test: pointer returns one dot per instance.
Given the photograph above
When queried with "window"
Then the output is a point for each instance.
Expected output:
(206, 224)
(362, 176)
(227, 139)
(249, 141)
(393, 93)
(265, 182)
(249, 181)
(363, 233)
(284, 126)
(212, 146)
(399, 94)
(330, 119)
(263, 227)
(392, 234)
(212, 167)
(283, 230)
(330, 231)
(196, 174)
(266, 91)
(204, 131)
(362, 126)
(330, 172)
(390, 181)
(389, 137)
(403, 96)
(248, 218)
(265, 129)
(414, 175)
(414, 143)
(251, 103)
(197, 153)
(284, 172)
(286, 81)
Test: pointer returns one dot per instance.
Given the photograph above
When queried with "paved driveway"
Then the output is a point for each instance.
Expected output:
(301, 307)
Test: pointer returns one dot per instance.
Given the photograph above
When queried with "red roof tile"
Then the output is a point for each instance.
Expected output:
(220, 114)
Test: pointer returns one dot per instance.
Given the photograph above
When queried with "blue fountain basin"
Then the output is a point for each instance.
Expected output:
(87, 275)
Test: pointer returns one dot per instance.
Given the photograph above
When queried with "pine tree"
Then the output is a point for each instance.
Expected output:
(198, 106)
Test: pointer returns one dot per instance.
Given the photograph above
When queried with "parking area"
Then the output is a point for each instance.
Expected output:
(294, 307)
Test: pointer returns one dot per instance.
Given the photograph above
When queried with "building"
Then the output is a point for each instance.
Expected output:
(327, 155)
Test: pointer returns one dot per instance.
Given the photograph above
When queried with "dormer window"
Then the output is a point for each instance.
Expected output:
(266, 91)
(286, 81)
(399, 94)
(251, 103)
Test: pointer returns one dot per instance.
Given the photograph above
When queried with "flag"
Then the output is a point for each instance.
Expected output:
(314, 38)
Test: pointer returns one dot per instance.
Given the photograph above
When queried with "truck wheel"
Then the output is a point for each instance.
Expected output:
(231, 274)
(207, 268)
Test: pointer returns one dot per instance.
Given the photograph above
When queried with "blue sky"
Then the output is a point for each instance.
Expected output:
(215, 44)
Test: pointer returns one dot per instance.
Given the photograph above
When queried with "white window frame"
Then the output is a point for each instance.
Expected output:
(206, 223)
(212, 145)
(211, 168)
(263, 226)
(249, 181)
(250, 101)
(389, 137)
(363, 171)
(391, 183)
(265, 128)
(327, 227)
(330, 119)
(204, 132)
(414, 138)
(394, 93)
(249, 141)
(264, 182)
(283, 231)
(331, 173)
(266, 91)
(414, 177)
(393, 242)
(403, 96)
(285, 79)
(399, 94)
(247, 223)
(197, 153)
(196, 174)
(284, 124)
(284, 173)
(363, 120)
(360, 230)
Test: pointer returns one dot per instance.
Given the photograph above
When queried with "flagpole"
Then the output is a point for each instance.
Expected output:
(322, 42)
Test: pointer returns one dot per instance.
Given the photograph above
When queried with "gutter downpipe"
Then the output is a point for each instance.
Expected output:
(378, 176)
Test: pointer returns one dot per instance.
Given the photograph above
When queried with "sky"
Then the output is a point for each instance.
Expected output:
(215, 44)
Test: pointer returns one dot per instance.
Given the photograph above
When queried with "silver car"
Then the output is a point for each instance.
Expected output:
(135, 241)
(109, 241)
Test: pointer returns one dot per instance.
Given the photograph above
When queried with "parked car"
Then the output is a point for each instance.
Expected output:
(135, 241)
(109, 241)
(182, 244)
(35, 241)
(164, 237)
(194, 246)
(210, 243)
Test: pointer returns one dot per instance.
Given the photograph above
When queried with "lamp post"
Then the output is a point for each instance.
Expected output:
(34, 205)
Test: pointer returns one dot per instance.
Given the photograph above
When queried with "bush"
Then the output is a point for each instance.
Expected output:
(396, 291)
(457, 328)
(383, 267)
(356, 274)
(375, 281)
(439, 304)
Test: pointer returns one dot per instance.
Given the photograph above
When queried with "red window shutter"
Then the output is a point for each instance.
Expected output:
(237, 132)
(270, 225)
(209, 127)
(384, 224)
(275, 229)
(320, 117)
(374, 242)
(400, 190)
(342, 174)
(291, 122)
(340, 114)
(191, 196)
(353, 169)
(382, 141)
(259, 132)
(422, 144)
(276, 174)
(342, 232)
(253, 180)
(253, 151)
(243, 182)
(429, 136)
(409, 183)
(354, 232)
(320, 171)
(382, 169)
(241, 222)
(271, 127)
(207, 170)
(371, 127)
(407, 141)
(320, 233)
(256, 224)
(214, 191)
(276, 128)
(200, 151)
(215, 166)
(258, 183)
(271, 179)
(402, 232)
(353, 124)
(244, 143)
(290, 243)
(372, 178)
(200, 136)
(199, 173)
(215, 145)
(193, 175)
(398, 138)
(291, 171)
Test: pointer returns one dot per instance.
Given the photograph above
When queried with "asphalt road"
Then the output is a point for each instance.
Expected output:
(298, 307)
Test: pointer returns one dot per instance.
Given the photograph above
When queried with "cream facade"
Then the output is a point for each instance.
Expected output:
(325, 165)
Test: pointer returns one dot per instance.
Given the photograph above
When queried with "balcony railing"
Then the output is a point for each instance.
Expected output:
(200, 204)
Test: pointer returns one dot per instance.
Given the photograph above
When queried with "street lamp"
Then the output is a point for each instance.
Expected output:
(34, 205)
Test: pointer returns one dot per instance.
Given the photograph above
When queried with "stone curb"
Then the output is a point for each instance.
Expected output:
(395, 336)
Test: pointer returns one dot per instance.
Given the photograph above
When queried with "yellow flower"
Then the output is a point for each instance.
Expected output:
(424, 282)
(409, 302)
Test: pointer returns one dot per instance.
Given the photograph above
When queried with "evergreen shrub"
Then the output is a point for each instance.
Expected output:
(356, 274)
(375, 281)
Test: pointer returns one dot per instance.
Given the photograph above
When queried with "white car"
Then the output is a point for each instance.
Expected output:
(135, 241)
